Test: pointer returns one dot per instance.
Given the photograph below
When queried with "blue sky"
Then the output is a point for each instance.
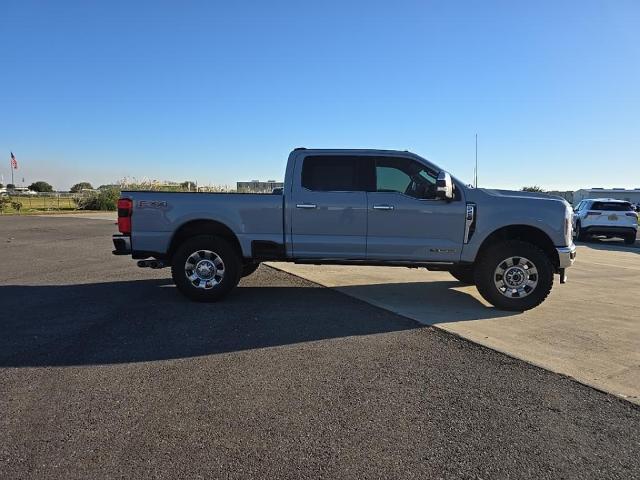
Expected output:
(222, 91)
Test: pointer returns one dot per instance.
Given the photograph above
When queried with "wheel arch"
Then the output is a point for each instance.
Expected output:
(525, 233)
(193, 228)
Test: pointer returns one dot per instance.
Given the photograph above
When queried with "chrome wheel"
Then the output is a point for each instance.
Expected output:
(204, 269)
(516, 277)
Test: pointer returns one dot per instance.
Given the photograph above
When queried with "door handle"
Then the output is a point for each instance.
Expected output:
(306, 205)
(383, 207)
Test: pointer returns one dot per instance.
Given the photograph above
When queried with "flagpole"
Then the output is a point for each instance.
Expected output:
(11, 167)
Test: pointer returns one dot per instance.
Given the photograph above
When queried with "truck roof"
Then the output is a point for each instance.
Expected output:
(371, 151)
(614, 200)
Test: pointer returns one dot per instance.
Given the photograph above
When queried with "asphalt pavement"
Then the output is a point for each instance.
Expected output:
(106, 371)
(588, 328)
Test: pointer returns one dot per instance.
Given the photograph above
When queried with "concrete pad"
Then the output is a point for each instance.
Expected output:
(588, 329)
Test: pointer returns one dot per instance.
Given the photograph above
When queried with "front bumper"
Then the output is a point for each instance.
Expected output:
(122, 244)
(566, 256)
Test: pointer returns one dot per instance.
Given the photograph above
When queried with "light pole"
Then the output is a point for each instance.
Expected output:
(475, 173)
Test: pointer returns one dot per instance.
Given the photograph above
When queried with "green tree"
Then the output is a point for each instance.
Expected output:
(10, 186)
(78, 187)
(533, 188)
(41, 186)
(105, 199)
(16, 206)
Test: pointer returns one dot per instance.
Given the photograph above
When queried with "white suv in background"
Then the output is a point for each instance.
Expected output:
(607, 217)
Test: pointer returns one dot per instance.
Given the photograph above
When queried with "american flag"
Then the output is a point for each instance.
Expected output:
(14, 162)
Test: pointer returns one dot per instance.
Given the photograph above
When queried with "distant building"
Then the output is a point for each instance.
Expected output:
(630, 195)
(566, 194)
(256, 186)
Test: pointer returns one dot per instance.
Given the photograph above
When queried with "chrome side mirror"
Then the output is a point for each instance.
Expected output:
(444, 186)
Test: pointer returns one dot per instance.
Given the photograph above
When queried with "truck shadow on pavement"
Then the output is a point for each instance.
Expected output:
(429, 303)
(147, 320)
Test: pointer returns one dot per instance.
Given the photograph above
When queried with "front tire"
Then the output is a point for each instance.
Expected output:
(580, 235)
(514, 275)
(206, 268)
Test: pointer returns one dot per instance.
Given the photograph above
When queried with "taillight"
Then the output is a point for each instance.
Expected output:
(631, 214)
(591, 212)
(125, 209)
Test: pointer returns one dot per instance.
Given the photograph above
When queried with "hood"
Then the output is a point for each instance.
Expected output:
(549, 213)
(521, 194)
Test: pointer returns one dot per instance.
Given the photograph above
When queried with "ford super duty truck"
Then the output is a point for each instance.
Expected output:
(355, 207)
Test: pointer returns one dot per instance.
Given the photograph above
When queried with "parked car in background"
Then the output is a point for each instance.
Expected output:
(22, 191)
(606, 217)
(355, 207)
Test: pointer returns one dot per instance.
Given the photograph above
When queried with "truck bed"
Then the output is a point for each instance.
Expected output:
(157, 216)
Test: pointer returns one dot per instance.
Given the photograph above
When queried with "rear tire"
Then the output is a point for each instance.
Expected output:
(206, 268)
(464, 274)
(630, 239)
(514, 275)
(249, 268)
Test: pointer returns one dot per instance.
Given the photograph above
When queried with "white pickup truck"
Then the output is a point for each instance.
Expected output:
(355, 207)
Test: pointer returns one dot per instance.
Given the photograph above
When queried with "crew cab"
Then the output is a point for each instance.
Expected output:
(355, 207)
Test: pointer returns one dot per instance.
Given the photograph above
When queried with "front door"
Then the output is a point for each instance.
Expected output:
(406, 221)
(328, 209)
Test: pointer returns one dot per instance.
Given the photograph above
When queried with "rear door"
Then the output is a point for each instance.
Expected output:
(329, 208)
(405, 220)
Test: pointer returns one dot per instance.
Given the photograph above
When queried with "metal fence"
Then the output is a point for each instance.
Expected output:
(45, 201)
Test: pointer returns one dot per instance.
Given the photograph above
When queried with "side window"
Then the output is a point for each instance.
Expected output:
(327, 173)
(405, 176)
(390, 179)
